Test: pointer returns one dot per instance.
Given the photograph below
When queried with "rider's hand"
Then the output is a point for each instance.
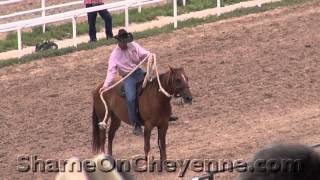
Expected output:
(143, 56)
(101, 89)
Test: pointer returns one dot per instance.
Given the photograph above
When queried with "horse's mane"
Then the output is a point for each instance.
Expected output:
(154, 79)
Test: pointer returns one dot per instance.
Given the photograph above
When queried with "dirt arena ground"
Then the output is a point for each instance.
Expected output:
(255, 81)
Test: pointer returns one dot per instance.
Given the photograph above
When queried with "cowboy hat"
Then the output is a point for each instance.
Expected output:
(124, 36)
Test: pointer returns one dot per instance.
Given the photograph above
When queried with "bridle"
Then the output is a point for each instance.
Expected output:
(177, 88)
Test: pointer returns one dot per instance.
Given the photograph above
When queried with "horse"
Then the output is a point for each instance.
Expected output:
(154, 109)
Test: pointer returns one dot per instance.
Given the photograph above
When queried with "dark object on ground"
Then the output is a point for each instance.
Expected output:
(46, 45)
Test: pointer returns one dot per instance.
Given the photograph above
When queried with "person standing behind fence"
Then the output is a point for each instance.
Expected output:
(92, 16)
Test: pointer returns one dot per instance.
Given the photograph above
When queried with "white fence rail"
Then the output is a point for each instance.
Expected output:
(43, 9)
(9, 2)
(73, 15)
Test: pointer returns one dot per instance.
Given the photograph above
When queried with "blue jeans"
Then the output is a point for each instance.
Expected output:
(130, 87)
(106, 16)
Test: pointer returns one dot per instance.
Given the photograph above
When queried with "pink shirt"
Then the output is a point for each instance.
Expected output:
(123, 61)
(93, 1)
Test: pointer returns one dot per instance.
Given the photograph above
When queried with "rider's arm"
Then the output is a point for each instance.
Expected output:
(112, 71)
(142, 53)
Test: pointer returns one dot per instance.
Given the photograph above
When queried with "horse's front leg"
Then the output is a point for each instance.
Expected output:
(147, 135)
(162, 132)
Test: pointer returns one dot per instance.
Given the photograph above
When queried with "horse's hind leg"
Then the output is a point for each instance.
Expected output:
(102, 139)
(114, 126)
(162, 132)
(103, 135)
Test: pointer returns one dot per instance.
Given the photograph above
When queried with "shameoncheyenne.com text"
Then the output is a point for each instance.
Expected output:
(27, 163)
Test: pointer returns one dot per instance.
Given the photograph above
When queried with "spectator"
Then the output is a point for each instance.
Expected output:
(92, 16)
(180, 2)
(309, 162)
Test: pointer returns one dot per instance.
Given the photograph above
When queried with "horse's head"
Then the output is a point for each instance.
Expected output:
(179, 84)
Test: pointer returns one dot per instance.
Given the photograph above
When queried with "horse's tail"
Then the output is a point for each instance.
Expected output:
(96, 143)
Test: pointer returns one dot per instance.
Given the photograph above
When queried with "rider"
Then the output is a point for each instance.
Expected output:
(123, 59)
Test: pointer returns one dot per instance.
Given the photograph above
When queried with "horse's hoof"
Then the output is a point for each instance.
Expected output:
(173, 118)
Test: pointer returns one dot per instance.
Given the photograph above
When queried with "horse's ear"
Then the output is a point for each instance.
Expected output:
(171, 68)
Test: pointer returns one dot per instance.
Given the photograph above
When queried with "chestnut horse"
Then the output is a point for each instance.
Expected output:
(154, 110)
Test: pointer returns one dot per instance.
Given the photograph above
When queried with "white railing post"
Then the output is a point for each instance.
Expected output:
(126, 14)
(175, 14)
(184, 2)
(19, 41)
(74, 31)
(259, 3)
(218, 7)
(139, 8)
(43, 6)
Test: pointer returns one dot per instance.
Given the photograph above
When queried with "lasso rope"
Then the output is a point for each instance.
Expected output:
(151, 70)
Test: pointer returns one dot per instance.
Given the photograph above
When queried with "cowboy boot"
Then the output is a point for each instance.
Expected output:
(137, 130)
